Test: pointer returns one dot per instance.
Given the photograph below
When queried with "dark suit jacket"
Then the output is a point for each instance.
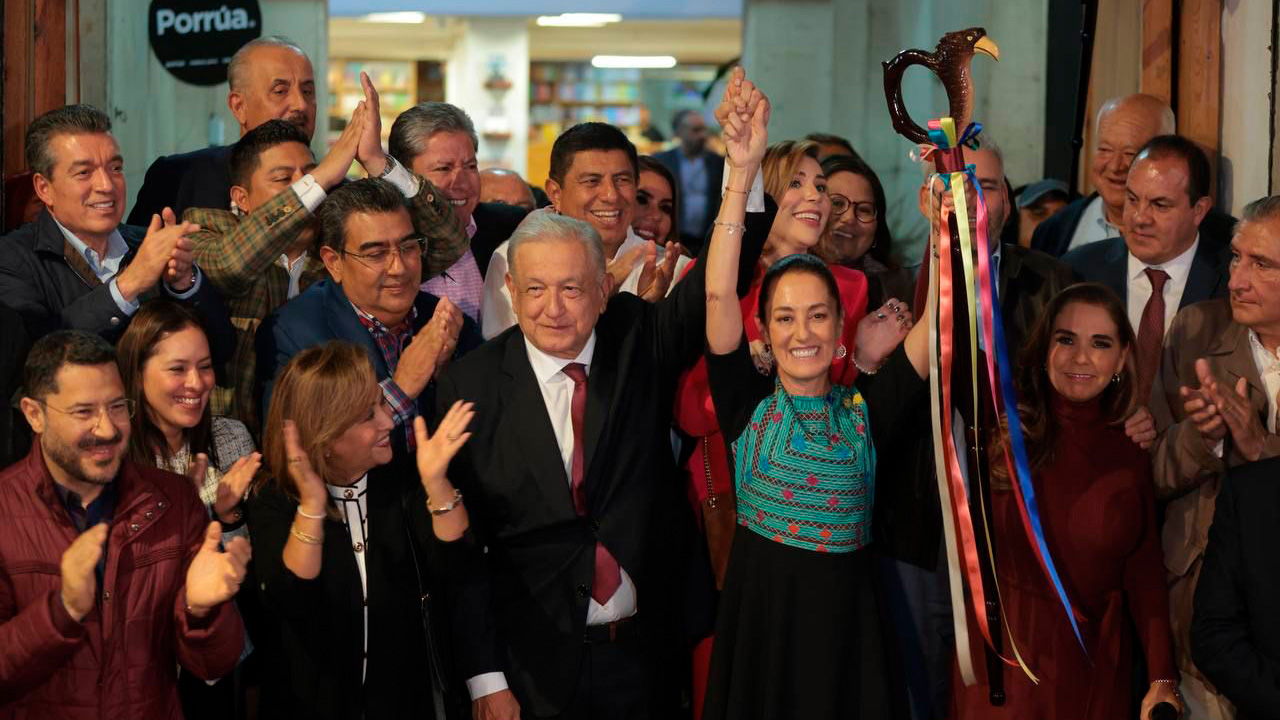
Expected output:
(312, 652)
(494, 224)
(37, 281)
(528, 618)
(1235, 629)
(715, 176)
(1053, 236)
(1107, 262)
(13, 354)
(322, 313)
(201, 178)
(908, 514)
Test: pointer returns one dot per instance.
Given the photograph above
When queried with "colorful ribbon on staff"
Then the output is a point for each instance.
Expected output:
(958, 524)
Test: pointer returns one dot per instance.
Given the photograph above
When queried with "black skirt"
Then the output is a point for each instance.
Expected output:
(797, 636)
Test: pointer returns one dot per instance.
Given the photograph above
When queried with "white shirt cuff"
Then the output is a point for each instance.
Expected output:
(755, 197)
(309, 192)
(186, 294)
(126, 307)
(486, 684)
(406, 182)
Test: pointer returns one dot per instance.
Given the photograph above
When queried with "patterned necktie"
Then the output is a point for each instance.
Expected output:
(608, 576)
(1151, 333)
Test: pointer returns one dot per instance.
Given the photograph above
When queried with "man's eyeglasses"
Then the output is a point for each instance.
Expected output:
(864, 211)
(117, 411)
(378, 258)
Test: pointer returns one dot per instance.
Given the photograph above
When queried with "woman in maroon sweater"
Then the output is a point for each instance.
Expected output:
(1093, 488)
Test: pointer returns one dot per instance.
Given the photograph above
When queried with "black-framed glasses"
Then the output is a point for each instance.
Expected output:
(378, 258)
(117, 411)
(865, 212)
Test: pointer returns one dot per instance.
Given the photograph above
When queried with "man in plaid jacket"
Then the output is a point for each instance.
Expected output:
(262, 252)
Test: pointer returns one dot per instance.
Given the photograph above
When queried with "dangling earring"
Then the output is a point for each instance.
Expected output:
(1115, 379)
(841, 351)
(764, 362)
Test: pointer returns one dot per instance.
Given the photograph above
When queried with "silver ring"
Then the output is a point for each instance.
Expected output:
(880, 315)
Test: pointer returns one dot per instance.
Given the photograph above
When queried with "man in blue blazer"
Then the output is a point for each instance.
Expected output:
(1167, 199)
(372, 248)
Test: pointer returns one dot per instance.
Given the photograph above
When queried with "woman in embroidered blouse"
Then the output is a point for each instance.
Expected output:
(168, 374)
(797, 634)
(346, 553)
(1093, 487)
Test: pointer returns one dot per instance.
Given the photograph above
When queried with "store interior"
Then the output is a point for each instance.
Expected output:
(524, 79)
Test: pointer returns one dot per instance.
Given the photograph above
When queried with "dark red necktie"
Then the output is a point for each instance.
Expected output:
(608, 576)
(1151, 334)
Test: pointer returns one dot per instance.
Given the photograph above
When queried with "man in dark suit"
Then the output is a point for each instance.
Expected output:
(1163, 262)
(699, 173)
(76, 267)
(571, 483)
(438, 141)
(908, 511)
(270, 78)
(373, 252)
(1124, 124)
(1235, 639)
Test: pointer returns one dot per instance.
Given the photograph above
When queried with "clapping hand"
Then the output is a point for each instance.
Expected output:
(312, 494)
(333, 168)
(165, 254)
(743, 114)
(232, 486)
(1229, 408)
(655, 278)
(369, 152)
(435, 451)
(78, 566)
(214, 575)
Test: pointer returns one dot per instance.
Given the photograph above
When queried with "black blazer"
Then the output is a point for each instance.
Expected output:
(908, 515)
(527, 619)
(1053, 236)
(322, 313)
(1235, 629)
(1107, 262)
(715, 176)
(201, 178)
(314, 628)
(494, 224)
(37, 281)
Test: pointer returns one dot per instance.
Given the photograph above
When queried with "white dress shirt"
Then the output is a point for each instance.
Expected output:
(1093, 225)
(1140, 285)
(557, 394)
(350, 500)
(1268, 363)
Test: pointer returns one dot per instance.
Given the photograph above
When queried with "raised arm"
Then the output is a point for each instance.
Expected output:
(744, 116)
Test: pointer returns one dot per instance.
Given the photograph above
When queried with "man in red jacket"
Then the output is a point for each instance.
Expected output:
(110, 572)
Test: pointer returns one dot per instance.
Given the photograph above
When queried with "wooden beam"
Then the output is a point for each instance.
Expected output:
(49, 60)
(17, 82)
(1200, 76)
(1157, 49)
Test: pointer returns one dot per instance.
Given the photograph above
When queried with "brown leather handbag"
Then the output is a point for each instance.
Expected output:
(719, 518)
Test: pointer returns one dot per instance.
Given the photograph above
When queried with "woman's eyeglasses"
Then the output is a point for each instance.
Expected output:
(865, 212)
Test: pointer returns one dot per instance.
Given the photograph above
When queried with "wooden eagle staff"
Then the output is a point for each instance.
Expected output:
(964, 285)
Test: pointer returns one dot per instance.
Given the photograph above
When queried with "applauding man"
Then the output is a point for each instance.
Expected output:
(76, 266)
(264, 252)
(110, 573)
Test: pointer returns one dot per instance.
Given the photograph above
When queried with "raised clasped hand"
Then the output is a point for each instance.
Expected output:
(743, 114)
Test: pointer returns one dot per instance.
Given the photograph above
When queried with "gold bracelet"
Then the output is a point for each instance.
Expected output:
(740, 192)
(305, 538)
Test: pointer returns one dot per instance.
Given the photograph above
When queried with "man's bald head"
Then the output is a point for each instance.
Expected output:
(1124, 125)
(506, 187)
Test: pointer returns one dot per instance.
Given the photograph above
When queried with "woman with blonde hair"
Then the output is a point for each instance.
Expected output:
(350, 548)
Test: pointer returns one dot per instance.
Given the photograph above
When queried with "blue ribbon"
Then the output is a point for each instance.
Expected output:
(1004, 370)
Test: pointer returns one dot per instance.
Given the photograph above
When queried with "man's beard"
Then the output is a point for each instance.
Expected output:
(68, 459)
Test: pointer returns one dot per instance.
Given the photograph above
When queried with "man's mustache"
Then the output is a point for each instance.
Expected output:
(93, 442)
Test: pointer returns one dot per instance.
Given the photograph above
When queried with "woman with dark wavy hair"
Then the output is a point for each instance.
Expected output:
(1076, 387)
(657, 215)
(858, 234)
